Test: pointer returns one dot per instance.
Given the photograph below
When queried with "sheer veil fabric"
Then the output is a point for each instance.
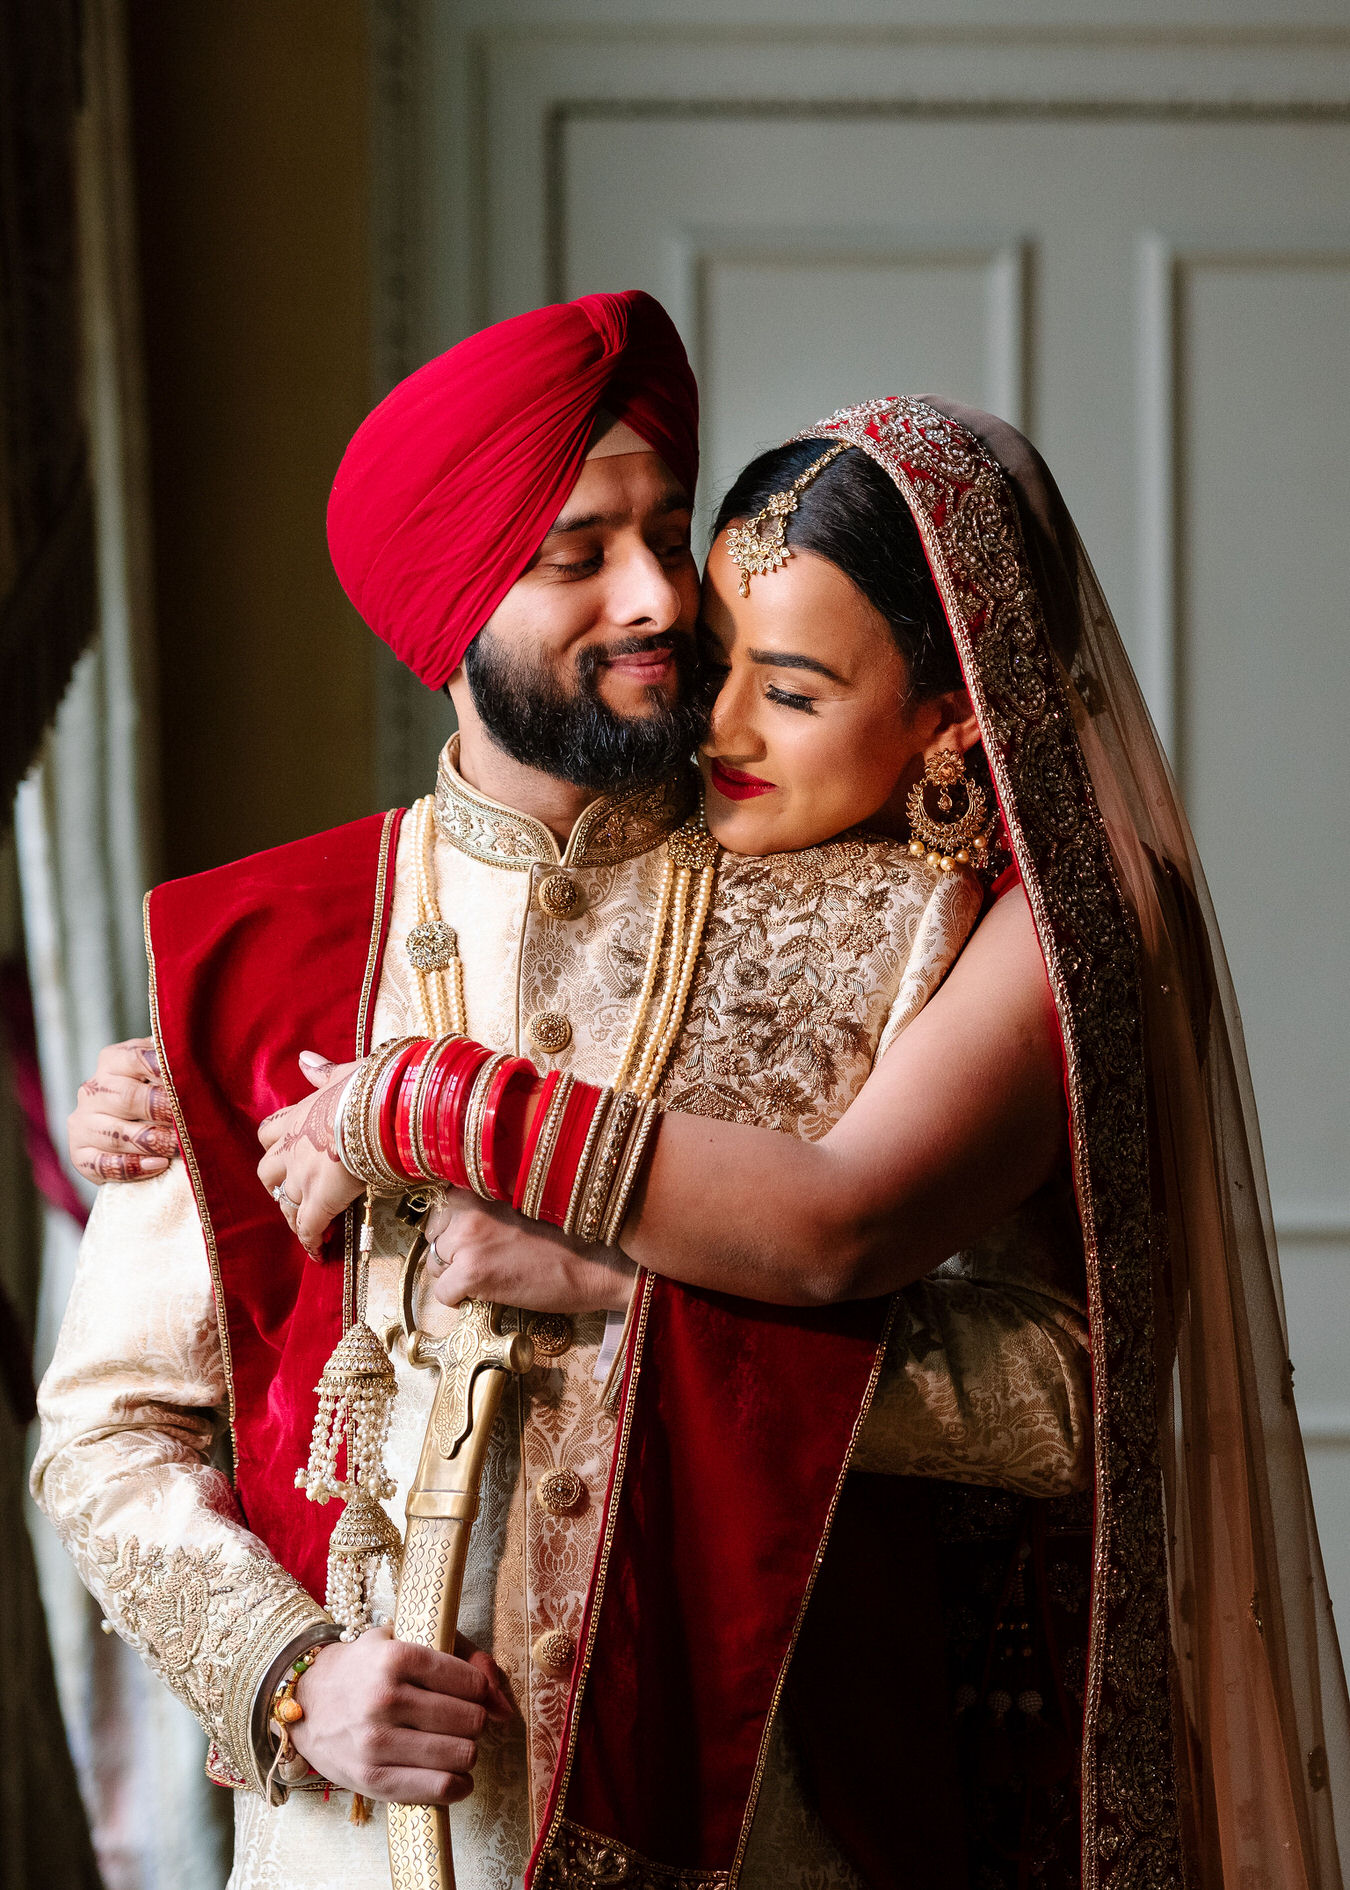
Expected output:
(1217, 1731)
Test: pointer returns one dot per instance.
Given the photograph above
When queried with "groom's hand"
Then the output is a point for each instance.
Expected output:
(301, 1169)
(482, 1250)
(398, 1722)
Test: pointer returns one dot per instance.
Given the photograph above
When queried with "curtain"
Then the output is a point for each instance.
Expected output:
(85, 839)
(46, 520)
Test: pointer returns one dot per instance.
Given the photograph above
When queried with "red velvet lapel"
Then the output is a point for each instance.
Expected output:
(738, 1424)
(249, 965)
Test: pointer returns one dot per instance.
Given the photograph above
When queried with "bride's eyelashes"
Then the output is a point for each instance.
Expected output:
(790, 699)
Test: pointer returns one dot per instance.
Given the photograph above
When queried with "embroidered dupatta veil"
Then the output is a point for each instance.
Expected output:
(1216, 1720)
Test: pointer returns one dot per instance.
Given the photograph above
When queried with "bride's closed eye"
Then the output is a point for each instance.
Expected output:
(790, 699)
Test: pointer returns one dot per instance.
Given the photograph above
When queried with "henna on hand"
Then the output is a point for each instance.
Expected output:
(104, 1166)
(319, 1127)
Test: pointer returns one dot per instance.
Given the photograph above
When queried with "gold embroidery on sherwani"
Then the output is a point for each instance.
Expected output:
(967, 516)
(209, 1626)
(612, 829)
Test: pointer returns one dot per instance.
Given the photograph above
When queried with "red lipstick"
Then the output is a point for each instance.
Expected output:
(735, 784)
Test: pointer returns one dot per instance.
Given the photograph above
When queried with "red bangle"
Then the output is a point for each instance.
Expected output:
(428, 1109)
(562, 1170)
(385, 1103)
(403, 1099)
(447, 1131)
(503, 1126)
(545, 1097)
(439, 1101)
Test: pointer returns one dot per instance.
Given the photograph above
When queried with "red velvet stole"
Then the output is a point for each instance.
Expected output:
(250, 964)
(736, 1433)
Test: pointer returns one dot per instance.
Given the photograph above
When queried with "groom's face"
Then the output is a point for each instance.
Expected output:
(586, 668)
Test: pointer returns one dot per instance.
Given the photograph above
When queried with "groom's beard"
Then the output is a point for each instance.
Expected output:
(573, 734)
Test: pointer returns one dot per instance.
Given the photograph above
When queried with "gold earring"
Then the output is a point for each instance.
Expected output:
(760, 545)
(948, 837)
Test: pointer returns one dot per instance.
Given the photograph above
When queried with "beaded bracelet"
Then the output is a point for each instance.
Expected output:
(286, 1711)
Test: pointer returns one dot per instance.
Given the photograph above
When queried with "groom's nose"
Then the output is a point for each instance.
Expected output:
(646, 594)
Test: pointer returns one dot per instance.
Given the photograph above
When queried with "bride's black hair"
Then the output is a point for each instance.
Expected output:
(853, 514)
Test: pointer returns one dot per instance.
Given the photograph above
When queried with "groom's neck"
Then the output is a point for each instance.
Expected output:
(489, 769)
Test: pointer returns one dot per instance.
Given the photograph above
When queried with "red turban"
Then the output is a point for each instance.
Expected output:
(448, 489)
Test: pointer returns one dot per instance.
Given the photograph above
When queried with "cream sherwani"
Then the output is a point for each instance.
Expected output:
(812, 962)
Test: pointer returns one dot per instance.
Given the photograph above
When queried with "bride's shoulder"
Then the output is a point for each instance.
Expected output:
(1004, 948)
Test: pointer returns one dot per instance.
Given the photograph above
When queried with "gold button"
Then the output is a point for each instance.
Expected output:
(553, 1653)
(552, 1334)
(559, 896)
(550, 1031)
(559, 1491)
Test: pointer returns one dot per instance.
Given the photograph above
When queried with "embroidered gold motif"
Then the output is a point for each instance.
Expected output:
(577, 1859)
(802, 956)
(208, 1626)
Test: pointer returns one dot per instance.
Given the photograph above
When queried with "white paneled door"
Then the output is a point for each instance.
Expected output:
(1127, 233)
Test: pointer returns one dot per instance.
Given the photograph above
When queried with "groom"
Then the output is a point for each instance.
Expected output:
(514, 520)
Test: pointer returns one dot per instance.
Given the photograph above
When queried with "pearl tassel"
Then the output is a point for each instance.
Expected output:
(356, 1398)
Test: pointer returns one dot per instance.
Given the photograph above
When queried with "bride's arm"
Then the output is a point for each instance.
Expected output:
(962, 1120)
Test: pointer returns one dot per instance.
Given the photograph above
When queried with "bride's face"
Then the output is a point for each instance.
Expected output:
(813, 730)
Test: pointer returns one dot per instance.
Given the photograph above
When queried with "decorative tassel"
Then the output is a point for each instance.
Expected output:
(360, 1811)
(356, 1396)
(364, 1537)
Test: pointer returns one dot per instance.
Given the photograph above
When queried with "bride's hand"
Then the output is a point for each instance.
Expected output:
(301, 1170)
(484, 1250)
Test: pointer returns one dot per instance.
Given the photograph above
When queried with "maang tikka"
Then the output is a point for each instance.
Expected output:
(760, 545)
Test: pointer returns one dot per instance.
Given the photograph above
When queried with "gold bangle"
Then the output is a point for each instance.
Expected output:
(374, 1170)
(473, 1123)
(594, 1208)
(354, 1126)
(532, 1193)
(628, 1174)
(593, 1129)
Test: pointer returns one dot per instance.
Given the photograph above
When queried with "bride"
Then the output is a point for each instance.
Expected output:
(935, 599)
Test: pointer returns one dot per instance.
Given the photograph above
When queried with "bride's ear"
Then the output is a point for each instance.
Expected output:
(957, 725)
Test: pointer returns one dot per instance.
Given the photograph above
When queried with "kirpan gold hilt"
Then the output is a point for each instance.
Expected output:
(473, 1361)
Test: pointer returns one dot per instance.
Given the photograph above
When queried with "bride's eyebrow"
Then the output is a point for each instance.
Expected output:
(786, 659)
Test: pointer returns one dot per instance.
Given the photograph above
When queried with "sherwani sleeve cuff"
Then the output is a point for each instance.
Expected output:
(300, 1625)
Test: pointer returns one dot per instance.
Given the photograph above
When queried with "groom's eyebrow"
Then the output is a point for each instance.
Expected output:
(785, 659)
(673, 500)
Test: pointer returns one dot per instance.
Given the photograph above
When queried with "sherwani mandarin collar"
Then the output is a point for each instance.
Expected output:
(614, 828)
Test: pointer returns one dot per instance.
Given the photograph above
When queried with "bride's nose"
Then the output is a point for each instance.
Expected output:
(732, 733)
